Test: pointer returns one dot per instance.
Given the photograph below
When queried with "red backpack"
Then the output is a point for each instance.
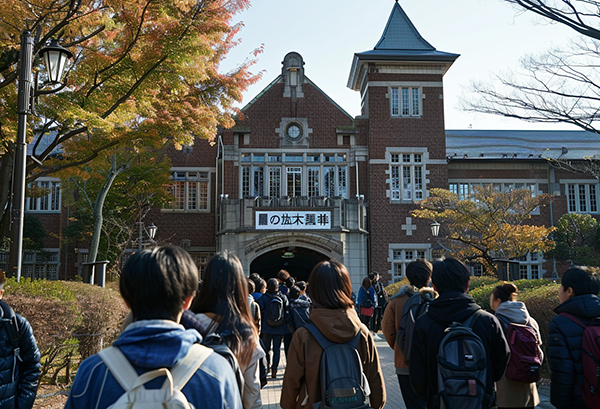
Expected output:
(525, 355)
(590, 360)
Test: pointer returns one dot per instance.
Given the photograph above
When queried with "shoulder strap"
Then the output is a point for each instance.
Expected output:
(470, 322)
(13, 325)
(574, 319)
(181, 373)
(326, 343)
(119, 366)
(187, 367)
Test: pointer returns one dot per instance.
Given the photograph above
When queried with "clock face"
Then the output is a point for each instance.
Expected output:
(293, 131)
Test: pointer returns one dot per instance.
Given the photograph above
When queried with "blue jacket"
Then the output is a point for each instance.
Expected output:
(564, 350)
(265, 328)
(18, 380)
(149, 345)
(362, 293)
(300, 312)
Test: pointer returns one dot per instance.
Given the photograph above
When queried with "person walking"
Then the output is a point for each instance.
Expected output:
(451, 279)
(367, 301)
(273, 328)
(419, 275)
(579, 305)
(19, 358)
(222, 307)
(510, 393)
(157, 284)
(334, 316)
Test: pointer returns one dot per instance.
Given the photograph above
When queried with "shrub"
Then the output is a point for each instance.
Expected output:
(393, 289)
(70, 320)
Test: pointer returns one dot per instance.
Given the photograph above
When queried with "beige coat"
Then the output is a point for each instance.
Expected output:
(301, 380)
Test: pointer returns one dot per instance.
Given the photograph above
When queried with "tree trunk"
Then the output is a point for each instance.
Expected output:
(99, 205)
(5, 181)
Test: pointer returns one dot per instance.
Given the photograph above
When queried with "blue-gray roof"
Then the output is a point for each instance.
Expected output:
(400, 41)
(513, 144)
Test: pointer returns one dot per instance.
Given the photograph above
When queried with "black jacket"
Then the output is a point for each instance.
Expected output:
(18, 378)
(429, 330)
(564, 350)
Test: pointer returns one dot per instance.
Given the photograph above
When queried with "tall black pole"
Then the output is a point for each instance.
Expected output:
(20, 162)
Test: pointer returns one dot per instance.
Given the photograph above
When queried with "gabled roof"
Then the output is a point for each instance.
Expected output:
(400, 41)
(307, 80)
(514, 144)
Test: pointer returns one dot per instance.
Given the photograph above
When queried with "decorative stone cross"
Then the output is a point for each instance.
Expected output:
(409, 227)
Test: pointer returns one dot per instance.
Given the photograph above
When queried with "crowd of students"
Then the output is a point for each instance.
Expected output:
(215, 342)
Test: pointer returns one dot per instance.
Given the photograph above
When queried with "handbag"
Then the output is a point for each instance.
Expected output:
(366, 311)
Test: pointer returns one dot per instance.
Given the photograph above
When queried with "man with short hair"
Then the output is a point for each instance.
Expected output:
(578, 294)
(451, 279)
(19, 358)
(419, 274)
(157, 285)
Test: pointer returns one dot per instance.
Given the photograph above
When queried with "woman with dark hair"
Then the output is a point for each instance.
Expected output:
(334, 316)
(366, 300)
(221, 306)
(512, 394)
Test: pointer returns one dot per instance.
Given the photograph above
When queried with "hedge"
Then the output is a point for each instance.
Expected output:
(70, 321)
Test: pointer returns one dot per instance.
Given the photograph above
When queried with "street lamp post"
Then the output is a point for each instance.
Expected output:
(55, 57)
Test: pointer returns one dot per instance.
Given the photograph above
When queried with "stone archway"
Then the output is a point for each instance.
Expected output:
(298, 261)
(267, 252)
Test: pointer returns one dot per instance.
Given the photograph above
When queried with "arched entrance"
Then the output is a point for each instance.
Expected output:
(298, 261)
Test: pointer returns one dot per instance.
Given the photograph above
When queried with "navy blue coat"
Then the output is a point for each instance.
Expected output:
(18, 379)
(564, 350)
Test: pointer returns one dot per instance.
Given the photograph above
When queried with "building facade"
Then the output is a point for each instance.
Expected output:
(298, 180)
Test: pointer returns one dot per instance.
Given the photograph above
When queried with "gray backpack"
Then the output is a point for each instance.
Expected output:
(462, 368)
(343, 382)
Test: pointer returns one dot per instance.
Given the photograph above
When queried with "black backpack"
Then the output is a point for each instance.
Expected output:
(276, 311)
(462, 368)
(414, 307)
(343, 383)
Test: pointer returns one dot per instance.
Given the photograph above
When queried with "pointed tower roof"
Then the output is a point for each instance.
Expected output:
(401, 34)
(400, 41)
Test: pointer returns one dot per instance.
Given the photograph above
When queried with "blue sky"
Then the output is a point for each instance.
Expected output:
(490, 35)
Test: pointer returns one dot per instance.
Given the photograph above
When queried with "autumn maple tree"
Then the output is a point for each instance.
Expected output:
(143, 71)
(486, 225)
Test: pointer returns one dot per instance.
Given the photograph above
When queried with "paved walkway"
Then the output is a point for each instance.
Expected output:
(270, 394)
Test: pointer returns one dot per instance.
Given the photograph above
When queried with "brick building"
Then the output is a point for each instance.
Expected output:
(298, 180)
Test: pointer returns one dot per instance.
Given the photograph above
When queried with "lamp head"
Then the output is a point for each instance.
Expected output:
(55, 59)
(152, 230)
(435, 229)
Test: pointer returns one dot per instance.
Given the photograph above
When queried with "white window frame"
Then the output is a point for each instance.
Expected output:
(52, 201)
(199, 184)
(411, 166)
(463, 188)
(589, 203)
(277, 165)
(401, 254)
(406, 102)
(530, 266)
